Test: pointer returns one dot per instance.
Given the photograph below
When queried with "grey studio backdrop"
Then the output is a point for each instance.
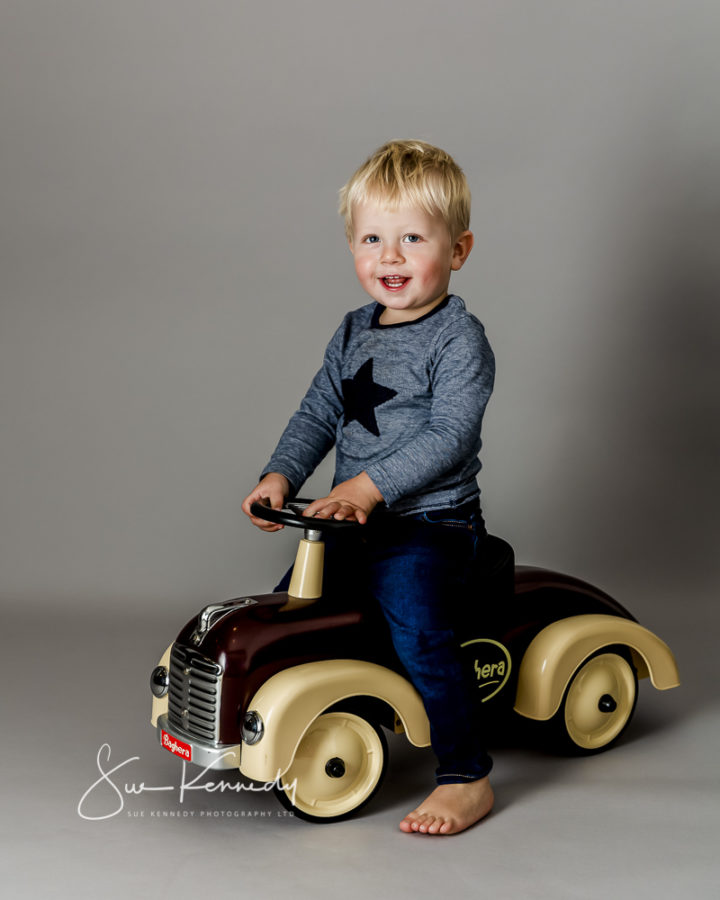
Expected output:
(171, 267)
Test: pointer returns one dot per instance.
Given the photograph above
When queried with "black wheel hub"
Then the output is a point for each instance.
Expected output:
(335, 767)
(607, 704)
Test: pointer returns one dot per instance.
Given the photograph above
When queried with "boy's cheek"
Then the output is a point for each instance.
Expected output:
(364, 272)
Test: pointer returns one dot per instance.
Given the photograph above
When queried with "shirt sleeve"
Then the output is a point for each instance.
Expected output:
(462, 378)
(310, 433)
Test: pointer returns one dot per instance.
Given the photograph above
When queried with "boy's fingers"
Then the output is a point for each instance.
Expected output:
(342, 510)
(348, 511)
(264, 525)
(322, 512)
(313, 508)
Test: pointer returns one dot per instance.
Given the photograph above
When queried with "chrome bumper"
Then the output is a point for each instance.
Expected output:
(207, 756)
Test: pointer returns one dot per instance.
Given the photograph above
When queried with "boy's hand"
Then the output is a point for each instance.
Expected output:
(352, 500)
(273, 489)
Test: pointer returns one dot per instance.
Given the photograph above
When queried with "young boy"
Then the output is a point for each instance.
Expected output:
(401, 395)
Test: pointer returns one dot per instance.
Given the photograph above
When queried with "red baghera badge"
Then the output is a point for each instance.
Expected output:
(176, 746)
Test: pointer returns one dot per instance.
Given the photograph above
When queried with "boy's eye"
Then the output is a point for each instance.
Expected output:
(372, 239)
(412, 238)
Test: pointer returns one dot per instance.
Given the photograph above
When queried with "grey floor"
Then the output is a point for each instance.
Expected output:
(640, 821)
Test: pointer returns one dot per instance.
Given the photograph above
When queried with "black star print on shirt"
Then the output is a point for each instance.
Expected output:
(361, 395)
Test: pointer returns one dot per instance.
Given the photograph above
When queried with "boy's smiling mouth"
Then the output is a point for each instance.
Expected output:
(394, 282)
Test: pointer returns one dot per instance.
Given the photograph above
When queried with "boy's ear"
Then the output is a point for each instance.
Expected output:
(461, 249)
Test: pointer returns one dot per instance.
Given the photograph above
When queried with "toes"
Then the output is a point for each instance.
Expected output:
(418, 821)
(434, 826)
(410, 822)
(442, 825)
(426, 824)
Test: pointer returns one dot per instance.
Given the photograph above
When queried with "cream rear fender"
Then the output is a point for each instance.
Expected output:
(561, 647)
(160, 704)
(292, 699)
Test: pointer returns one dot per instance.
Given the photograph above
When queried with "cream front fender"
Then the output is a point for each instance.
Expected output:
(160, 704)
(289, 701)
(556, 652)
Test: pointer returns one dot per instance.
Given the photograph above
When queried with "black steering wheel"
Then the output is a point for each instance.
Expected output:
(292, 514)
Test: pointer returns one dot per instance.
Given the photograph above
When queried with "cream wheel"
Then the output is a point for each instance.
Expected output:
(599, 702)
(338, 766)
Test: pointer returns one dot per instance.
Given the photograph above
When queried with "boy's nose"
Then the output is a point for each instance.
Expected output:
(391, 253)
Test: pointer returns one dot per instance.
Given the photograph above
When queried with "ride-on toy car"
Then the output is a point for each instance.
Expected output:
(295, 688)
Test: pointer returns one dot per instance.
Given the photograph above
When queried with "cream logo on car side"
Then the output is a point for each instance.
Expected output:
(491, 665)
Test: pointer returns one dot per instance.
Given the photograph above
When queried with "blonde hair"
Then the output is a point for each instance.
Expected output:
(412, 173)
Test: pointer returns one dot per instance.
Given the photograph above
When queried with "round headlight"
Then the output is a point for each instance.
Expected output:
(159, 681)
(252, 727)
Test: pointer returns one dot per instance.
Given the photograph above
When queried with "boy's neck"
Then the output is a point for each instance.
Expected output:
(395, 316)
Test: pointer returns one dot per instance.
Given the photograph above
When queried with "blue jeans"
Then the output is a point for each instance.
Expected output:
(419, 569)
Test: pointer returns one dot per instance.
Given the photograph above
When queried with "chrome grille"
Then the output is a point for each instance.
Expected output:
(194, 695)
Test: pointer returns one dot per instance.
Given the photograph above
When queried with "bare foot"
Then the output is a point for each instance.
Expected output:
(451, 808)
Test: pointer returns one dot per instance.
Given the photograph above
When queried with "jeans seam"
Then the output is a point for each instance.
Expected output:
(453, 523)
(458, 775)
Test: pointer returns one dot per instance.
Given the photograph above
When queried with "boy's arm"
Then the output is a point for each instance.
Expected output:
(310, 433)
(462, 378)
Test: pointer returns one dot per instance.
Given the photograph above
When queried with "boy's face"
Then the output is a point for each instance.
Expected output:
(404, 257)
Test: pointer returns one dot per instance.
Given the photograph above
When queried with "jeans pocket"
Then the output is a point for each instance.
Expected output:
(446, 519)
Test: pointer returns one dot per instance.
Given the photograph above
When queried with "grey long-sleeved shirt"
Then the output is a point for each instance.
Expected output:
(402, 402)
